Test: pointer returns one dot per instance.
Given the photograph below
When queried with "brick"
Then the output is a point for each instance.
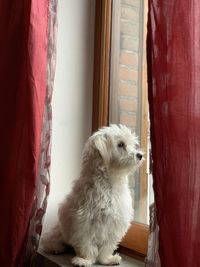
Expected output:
(129, 28)
(135, 3)
(127, 89)
(129, 43)
(127, 74)
(133, 129)
(129, 13)
(128, 119)
(129, 59)
(128, 105)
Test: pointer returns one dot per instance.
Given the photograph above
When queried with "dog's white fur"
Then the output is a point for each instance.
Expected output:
(95, 216)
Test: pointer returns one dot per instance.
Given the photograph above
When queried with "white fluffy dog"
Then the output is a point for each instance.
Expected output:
(97, 213)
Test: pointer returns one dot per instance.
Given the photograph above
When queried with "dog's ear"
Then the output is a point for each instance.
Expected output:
(101, 144)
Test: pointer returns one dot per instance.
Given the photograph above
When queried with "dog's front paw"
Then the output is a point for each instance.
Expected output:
(80, 262)
(115, 260)
(112, 260)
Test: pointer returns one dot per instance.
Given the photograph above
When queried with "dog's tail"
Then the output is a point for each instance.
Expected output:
(52, 241)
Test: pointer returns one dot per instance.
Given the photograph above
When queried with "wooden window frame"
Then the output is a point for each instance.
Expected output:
(135, 242)
(101, 63)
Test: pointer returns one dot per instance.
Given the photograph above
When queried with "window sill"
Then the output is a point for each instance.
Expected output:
(46, 260)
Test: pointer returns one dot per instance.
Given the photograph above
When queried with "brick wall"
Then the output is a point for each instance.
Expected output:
(126, 77)
(128, 106)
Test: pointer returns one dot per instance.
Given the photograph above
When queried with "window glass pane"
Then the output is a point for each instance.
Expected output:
(128, 96)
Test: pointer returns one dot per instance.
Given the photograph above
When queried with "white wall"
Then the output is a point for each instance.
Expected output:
(72, 97)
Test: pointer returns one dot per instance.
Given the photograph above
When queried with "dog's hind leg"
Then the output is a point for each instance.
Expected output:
(52, 241)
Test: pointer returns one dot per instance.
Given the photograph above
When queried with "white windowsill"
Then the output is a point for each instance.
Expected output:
(42, 259)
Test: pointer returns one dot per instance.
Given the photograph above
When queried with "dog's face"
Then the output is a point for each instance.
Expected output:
(118, 147)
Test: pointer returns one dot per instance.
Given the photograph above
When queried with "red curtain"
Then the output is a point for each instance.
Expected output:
(174, 97)
(23, 67)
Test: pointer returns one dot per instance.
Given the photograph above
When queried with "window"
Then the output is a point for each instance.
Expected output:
(120, 93)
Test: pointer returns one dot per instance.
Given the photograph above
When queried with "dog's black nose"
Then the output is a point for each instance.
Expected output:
(139, 156)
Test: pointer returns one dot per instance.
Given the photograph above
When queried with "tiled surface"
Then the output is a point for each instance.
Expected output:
(46, 260)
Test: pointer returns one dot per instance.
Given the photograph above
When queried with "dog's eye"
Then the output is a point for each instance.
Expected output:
(120, 144)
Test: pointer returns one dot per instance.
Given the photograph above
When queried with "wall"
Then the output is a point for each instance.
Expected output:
(72, 98)
(129, 72)
(128, 58)
(126, 83)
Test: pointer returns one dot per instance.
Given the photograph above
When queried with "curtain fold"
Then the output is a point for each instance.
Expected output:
(23, 80)
(43, 173)
(174, 98)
